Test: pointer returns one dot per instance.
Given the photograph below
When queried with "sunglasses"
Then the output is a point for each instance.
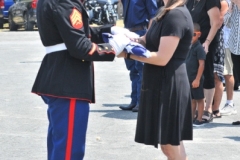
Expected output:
(195, 33)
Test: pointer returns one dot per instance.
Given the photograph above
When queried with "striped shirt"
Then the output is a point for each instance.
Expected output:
(232, 20)
(226, 32)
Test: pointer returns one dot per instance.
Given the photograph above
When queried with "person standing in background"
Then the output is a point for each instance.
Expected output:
(207, 14)
(228, 76)
(195, 67)
(137, 17)
(219, 65)
(231, 20)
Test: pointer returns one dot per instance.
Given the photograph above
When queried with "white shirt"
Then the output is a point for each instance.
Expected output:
(232, 20)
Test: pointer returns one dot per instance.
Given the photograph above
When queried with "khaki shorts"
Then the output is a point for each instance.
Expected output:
(228, 64)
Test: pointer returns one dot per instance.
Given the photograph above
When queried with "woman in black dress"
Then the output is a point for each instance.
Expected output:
(207, 14)
(165, 105)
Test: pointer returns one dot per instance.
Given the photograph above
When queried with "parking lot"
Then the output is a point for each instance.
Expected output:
(6, 28)
(23, 119)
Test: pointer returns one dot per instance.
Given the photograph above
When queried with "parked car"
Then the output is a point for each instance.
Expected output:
(4, 6)
(23, 13)
(1, 13)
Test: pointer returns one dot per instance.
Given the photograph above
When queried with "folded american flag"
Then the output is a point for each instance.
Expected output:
(132, 47)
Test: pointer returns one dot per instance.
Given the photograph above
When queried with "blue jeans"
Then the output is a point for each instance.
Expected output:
(135, 68)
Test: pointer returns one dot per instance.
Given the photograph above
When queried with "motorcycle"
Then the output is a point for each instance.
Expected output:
(102, 11)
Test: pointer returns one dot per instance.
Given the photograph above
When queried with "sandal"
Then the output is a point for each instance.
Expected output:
(207, 117)
(216, 114)
(236, 123)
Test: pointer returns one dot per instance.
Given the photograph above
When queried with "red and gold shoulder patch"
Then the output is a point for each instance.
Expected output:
(76, 19)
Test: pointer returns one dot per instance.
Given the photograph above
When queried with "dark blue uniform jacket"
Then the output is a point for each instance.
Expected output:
(69, 73)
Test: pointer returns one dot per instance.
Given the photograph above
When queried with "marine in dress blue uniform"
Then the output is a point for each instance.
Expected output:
(65, 79)
(138, 23)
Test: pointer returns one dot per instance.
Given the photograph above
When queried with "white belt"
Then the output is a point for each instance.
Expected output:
(55, 48)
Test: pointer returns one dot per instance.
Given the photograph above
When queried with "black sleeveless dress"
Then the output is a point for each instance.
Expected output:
(165, 115)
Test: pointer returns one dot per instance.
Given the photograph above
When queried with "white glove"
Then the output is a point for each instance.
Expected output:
(119, 42)
(120, 30)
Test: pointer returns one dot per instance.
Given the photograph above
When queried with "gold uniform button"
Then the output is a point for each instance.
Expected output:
(83, 60)
(99, 49)
(106, 47)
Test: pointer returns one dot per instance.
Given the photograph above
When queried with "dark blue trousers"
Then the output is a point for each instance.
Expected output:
(68, 119)
(135, 68)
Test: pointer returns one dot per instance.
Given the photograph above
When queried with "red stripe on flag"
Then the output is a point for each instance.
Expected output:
(70, 129)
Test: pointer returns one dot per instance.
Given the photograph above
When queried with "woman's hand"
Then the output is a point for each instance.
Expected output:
(139, 40)
(195, 83)
(206, 46)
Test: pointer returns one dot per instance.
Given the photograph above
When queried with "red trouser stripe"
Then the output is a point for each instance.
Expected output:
(70, 129)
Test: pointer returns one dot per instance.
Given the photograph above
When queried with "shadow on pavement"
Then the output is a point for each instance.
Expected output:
(233, 138)
(114, 105)
(117, 114)
(214, 125)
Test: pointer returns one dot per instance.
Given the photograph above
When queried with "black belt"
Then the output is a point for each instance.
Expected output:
(137, 28)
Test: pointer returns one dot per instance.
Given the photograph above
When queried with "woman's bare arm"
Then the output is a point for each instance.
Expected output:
(164, 54)
(214, 15)
(223, 11)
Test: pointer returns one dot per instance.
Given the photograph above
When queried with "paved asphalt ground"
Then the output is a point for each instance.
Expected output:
(23, 120)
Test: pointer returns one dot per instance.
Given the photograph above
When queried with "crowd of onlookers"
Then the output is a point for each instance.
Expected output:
(218, 23)
(219, 29)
